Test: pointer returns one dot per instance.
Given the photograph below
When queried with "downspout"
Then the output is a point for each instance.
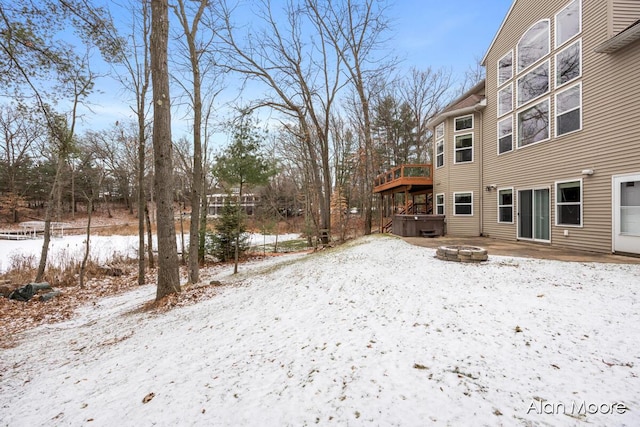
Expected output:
(481, 169)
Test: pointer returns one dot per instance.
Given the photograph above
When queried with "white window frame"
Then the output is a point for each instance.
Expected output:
(517, 124)
(512, 205)
(513, 63)
(439, 131)
(510, 88)
(556, 62)
(517, 58)
(455, 205)
(510, 118)
(555, 112)
(557, 24)
(455, 123)
(440, 143)
(456, 149)
(558, 204)
(524, 75)
(440, 204)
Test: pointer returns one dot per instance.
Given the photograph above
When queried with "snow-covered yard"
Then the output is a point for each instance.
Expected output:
(375, 332)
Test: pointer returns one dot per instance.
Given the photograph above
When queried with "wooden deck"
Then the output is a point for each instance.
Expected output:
(409, 175)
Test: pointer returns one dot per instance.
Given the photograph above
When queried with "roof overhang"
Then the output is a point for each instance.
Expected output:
(460, 111)
(620, 40)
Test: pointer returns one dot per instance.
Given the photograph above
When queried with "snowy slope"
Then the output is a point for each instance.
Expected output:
(377, 332)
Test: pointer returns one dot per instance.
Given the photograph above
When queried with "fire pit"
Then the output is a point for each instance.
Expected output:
(462, 253)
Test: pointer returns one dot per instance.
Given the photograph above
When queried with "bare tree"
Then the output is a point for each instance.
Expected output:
(168, 275)
(425, 92)
(356, 28)
(304, 78)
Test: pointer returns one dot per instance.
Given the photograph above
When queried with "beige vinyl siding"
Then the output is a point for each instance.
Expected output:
(609, 141)
(623, 13)
(456, 178)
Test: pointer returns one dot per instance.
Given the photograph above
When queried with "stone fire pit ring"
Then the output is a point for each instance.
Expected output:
(462, 253)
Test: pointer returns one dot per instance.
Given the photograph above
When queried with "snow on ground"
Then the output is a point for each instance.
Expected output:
(103, 248)
(376, 332)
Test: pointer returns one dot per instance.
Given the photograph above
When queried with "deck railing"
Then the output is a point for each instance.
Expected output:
(403, 171)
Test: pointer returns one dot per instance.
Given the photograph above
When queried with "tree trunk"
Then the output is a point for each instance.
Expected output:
(168, 274)
(147, 219)
(83, 265)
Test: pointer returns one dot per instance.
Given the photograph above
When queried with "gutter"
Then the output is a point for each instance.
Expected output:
(479, 106)
(620, 40)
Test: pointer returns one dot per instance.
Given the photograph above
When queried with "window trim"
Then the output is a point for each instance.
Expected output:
(440, 142)
(498, 135)
(509, 86)
(498, 67)
(513, 205)
(517, 58)
(439, 128)
(555, 110)
(517, 123)
(456, 149)
(440, 204)
(455, 193)
(523, 75)
(558, 204)
(455, 127)
(556, 26)
(555, 60)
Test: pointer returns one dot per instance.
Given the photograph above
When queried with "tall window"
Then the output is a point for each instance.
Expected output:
(569, 203)
(533, 45)
(569, 63)
(505, 100)
(440, 153)
(440, 204)
(463, 148)
(505, 135)
(439, 133)
(505, 68)
(533, 84)
(533, 124)
(463, 203)
(505, 205)
(569, 110)
(568, 22)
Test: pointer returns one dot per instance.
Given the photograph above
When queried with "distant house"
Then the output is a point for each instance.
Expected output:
(547, 149)
(217, 201)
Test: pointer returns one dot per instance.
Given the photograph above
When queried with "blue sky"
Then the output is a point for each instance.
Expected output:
(450, 34)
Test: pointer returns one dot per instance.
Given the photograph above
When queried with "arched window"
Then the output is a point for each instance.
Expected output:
(534, 44)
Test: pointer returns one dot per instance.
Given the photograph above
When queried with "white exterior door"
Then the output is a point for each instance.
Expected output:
(626, 214)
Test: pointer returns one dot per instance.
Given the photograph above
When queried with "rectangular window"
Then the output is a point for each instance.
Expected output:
(568, 22)
(569, 110)
(464, 123)
(440, 153)
(533, 124)
(568, 64)
(440, 204)
(464, 148)
(440, 131)
(463, 204)
(505, 100)
(505, 205)
(569, 203)
(533, 84)
(505, 135)
(505, 68)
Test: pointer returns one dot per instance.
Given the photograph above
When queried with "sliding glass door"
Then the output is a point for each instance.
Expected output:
(534, 215)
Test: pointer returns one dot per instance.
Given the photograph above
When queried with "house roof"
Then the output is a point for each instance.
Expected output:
(470, 101)
(620, 40)
(484, 58)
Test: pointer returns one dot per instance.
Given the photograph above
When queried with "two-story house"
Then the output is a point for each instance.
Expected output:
(547, 148)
